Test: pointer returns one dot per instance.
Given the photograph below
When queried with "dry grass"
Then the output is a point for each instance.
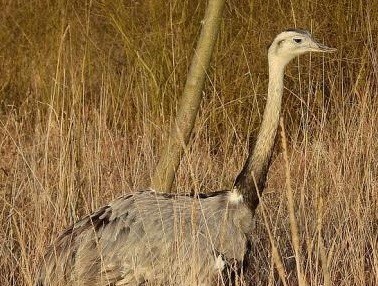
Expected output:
(87, 92)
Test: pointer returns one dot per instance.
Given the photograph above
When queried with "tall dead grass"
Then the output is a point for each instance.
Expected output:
(87, 92)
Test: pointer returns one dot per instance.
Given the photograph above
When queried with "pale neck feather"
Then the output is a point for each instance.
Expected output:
(266, 136)
(253, 175)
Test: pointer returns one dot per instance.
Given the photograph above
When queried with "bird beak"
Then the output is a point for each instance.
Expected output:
(318, 47)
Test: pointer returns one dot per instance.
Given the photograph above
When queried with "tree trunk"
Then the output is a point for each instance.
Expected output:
(190, 99)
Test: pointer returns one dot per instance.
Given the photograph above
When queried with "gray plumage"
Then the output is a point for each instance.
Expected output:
(165, 239)
(149, 236)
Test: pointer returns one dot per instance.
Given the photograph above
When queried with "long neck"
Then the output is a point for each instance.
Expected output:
(252, 178)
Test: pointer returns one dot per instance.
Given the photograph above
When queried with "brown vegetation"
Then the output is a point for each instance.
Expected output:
(88, 89)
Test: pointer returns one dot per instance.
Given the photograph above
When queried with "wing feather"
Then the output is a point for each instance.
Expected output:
(149, 236)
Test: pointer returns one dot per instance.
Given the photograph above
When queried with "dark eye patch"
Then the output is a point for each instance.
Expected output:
(297, 40)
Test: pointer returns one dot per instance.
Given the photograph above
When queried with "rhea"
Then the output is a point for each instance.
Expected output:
(176, 239)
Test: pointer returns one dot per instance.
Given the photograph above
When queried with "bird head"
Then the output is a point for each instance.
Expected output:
(294, 42)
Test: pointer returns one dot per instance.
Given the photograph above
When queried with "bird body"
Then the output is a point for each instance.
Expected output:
(172, 239)
(149, 236)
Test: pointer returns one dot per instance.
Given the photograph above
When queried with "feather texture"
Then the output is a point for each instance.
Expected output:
(147, 236)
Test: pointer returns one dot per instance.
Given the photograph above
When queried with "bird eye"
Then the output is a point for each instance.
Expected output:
(297, 40)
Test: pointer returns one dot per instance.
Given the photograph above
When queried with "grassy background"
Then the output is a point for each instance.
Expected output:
(88, 90)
